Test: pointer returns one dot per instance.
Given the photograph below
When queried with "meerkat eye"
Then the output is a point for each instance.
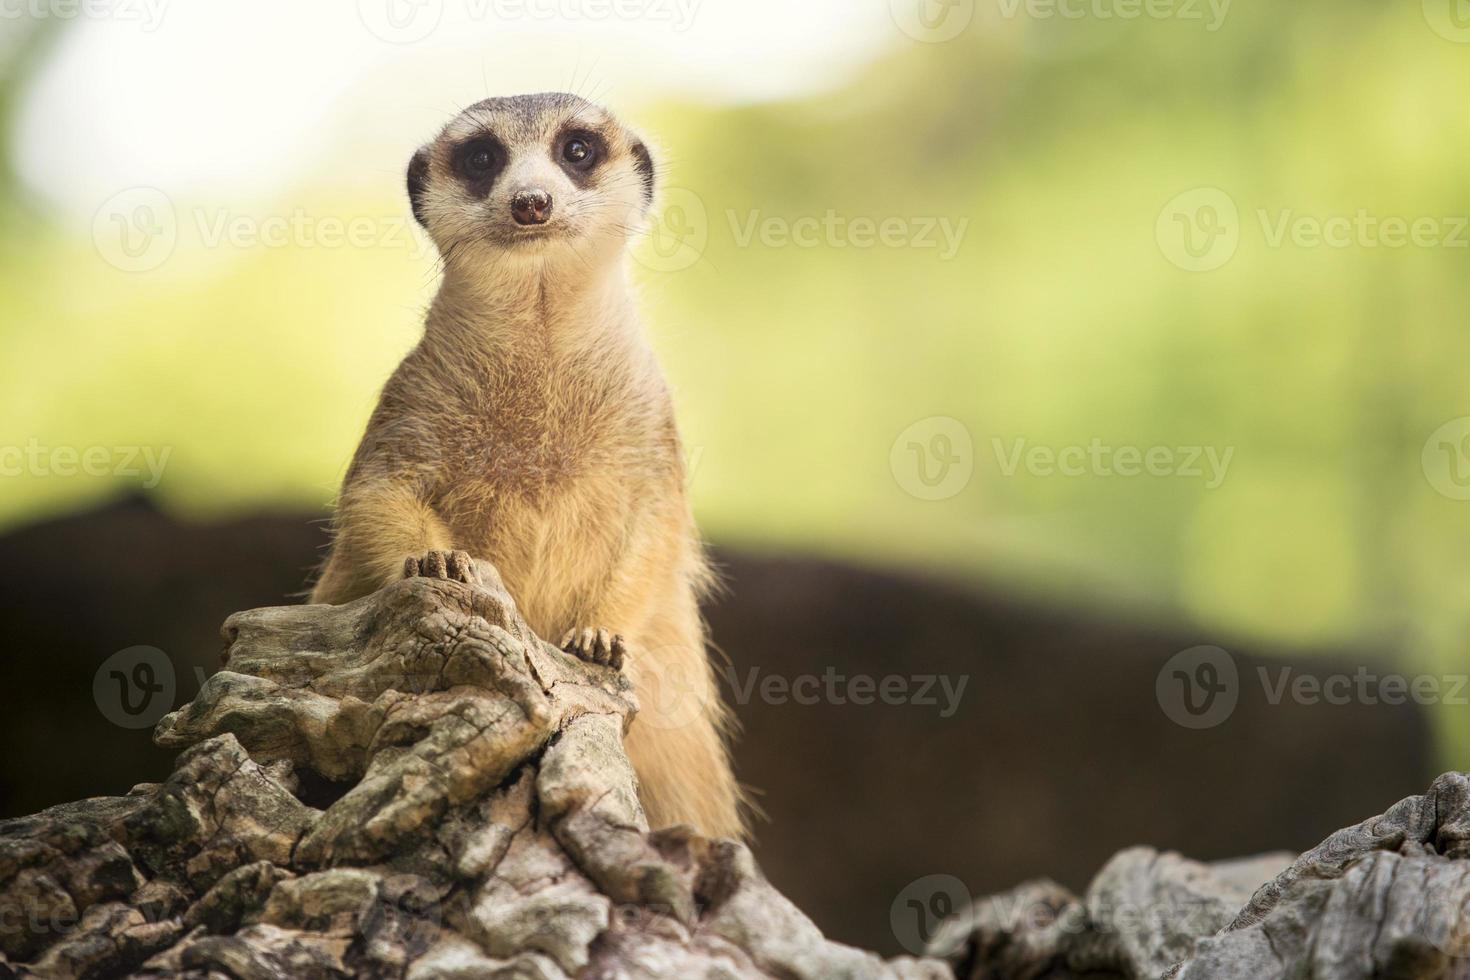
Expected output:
(579, 151)
(479, 159)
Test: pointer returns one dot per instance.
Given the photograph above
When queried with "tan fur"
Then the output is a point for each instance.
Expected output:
(532, 427)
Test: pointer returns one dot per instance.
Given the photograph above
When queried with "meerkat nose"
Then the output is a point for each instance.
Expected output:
(531, 207)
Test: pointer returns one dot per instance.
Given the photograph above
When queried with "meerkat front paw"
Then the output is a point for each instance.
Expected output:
(454, 566)
(596, 646)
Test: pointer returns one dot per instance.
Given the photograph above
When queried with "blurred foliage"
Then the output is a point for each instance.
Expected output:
(1060, 320)
(23, 44)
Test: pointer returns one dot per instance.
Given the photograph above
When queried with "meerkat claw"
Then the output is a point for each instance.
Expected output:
(452, 566)
(596, 646)
(461, 567)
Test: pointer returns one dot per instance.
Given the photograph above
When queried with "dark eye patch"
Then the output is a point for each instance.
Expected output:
(478, 161)
(579, 152)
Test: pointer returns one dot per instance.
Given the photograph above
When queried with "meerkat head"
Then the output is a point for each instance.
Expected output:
(531, 176)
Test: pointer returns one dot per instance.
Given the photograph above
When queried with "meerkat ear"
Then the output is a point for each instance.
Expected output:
(418, 182)
(643, 163)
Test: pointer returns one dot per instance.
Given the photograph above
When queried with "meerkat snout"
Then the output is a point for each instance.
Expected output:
(531, 207)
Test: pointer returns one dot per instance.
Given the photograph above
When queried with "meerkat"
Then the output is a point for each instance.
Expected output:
(532, 427)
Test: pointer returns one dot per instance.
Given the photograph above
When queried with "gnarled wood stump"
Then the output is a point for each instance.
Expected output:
(412, 786)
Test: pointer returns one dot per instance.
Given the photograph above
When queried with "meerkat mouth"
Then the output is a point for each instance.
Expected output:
(535, 240)
(535, 233)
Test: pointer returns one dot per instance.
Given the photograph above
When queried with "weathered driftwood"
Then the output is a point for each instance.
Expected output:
(416, 786)
(411, 786)
(1389, 897)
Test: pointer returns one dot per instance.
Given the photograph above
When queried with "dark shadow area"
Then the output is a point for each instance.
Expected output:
(1058, 756)
(1058, 753)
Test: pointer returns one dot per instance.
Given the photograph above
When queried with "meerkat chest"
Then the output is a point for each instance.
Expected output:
(557, 547)
(549, 501)
(529, 447)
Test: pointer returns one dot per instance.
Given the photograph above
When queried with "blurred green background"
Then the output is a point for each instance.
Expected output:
(1063, 317)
